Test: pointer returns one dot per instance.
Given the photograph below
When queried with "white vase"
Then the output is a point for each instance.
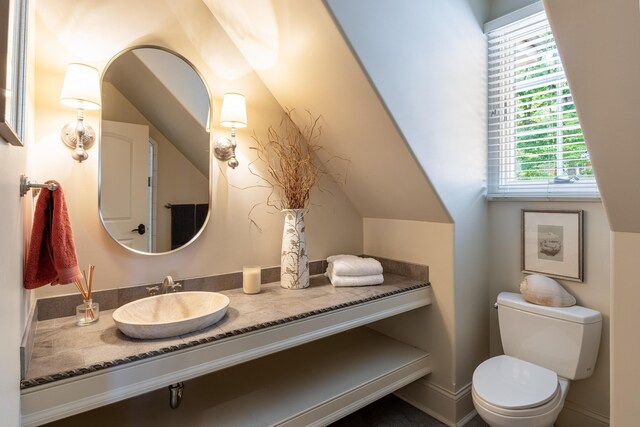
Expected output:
(294, 266)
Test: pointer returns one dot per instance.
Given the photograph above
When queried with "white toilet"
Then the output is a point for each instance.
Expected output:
(544, 347)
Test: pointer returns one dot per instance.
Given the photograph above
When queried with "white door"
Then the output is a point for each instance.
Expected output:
(124, 182)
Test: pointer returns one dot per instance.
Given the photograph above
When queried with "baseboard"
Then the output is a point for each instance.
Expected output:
(456, 409)
(575, 415)
(451, 409)
(471, 415)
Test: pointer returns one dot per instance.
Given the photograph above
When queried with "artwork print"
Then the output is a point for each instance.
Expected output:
(552, 243)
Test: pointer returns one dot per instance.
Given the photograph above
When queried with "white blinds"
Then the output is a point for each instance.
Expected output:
(536, 147)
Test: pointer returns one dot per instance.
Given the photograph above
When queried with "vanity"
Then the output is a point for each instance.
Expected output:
(280, 357)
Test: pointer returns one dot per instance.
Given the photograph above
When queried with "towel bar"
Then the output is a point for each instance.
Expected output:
(26, 185)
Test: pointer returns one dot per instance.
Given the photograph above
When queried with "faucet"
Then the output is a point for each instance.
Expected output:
(167, 286)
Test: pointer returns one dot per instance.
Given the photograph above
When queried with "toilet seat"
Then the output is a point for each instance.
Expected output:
(552, 405)
(512, 386)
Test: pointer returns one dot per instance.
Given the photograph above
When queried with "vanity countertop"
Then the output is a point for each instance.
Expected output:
(63, 350)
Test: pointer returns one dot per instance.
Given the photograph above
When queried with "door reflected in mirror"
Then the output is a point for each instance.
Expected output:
(154, 151)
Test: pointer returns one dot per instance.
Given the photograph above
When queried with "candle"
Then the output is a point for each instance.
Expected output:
(251, 279)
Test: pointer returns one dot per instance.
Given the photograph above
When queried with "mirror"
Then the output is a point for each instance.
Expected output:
(154, 151)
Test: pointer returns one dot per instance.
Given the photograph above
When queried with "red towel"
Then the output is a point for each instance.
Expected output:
(52, 254)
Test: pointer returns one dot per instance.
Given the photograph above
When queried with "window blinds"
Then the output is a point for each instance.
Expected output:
(536, 146)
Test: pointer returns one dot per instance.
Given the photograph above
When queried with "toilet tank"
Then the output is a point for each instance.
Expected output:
(563, 339)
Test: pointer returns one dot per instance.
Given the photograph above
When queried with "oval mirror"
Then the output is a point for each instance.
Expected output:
(154, 151)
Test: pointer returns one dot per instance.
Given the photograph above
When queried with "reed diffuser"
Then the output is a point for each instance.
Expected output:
(88, 312)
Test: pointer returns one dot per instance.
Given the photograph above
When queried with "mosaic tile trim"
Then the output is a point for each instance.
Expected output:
(32, 382)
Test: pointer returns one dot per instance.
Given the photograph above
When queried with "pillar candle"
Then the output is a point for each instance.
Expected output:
(251, 279)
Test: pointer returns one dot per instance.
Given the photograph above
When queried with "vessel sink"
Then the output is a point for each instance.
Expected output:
(169, 315)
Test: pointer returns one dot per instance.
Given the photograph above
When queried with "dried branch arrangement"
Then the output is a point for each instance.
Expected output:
(291, 155)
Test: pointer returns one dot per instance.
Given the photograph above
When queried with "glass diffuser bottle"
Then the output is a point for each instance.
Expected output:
(87, 313)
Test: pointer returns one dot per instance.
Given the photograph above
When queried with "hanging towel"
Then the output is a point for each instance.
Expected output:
(52, 254)
(183, 220)
(338, 281)
(351, 265)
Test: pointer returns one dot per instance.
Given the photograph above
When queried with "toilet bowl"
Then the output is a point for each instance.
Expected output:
(508, 392)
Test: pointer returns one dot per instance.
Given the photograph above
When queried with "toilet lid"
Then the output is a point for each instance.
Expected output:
(512, 383)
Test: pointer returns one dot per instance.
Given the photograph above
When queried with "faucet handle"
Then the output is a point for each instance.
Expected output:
(175, 287)
(153, 290)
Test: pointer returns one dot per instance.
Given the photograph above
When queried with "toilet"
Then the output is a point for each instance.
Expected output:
(545, 348)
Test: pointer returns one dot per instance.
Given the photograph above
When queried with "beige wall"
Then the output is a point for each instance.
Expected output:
(229, 240)
(428, 243)
(15, 225)
(625, 345)
(588, 397)
(315, 69)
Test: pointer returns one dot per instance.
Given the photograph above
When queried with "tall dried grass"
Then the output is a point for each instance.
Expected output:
(292, 157)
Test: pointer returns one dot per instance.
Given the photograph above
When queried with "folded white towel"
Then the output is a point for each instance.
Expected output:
(374, 279)
(351, 265)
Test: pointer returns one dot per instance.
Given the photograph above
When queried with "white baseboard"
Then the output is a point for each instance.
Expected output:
(575, 415)
(456, 409)
(452, 409)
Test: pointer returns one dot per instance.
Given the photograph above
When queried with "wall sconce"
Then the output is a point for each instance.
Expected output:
(233, 115)
(81, 90)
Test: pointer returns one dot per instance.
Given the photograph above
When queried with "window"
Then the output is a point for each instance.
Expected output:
(536, 146)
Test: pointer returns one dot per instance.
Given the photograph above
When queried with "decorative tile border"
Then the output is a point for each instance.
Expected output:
(33, 382)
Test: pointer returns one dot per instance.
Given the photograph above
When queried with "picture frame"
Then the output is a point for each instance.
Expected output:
(13, 44)
(552, 243)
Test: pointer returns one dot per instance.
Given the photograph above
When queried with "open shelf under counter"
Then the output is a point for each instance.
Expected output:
(111, 367)
(310, 385)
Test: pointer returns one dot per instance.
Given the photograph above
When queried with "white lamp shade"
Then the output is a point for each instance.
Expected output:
(234, 111)
(81, 87)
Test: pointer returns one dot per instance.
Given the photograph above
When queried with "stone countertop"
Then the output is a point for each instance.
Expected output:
(62, 349)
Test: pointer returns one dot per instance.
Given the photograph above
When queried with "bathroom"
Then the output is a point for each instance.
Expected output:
(408, 197)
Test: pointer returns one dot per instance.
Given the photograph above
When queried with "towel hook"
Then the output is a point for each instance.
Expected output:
(26, 185)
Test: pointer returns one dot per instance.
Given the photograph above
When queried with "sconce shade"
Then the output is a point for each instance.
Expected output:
(81, 87)
(234, 111)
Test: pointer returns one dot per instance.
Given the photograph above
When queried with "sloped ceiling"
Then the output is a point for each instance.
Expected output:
(306, 63)
(599, 43)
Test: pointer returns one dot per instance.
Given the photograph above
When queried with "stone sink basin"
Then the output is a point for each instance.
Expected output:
(170, 315)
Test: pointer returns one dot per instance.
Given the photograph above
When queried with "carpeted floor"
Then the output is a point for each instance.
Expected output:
(391, 411)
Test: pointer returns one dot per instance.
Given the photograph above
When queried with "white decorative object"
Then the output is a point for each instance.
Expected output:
(543, 290)
(251, 279)
(294, 266)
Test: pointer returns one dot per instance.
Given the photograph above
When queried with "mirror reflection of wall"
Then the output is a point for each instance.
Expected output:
(154, 154)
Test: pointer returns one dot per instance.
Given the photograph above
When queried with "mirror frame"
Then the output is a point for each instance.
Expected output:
(204, 82)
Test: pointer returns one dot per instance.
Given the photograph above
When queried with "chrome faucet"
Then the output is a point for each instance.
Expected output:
(167, 286)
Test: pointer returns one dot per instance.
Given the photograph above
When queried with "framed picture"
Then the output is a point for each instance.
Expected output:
(552, 243)
(13, 43)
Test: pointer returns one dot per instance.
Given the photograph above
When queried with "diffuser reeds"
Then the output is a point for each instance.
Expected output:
(85, 291)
